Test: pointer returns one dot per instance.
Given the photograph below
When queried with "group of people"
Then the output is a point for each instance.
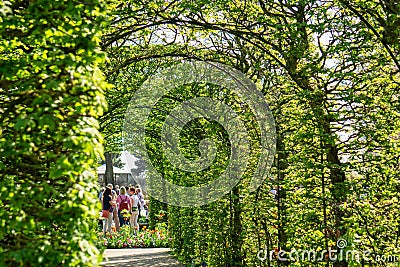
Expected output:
(120, 203)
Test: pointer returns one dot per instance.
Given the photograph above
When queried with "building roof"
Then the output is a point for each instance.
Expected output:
(128, 160)
(116, 170)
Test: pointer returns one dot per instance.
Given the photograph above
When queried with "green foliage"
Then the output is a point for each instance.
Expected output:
(330, 72)
(125, 83)
(50, 95)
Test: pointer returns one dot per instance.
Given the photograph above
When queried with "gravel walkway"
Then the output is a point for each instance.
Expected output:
(143, 257)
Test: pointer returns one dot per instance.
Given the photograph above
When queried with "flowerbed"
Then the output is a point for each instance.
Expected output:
(143, 239)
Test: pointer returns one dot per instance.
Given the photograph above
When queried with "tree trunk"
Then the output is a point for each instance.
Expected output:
(109, 175)
(281, 194)
(317, 101)
(236, 236)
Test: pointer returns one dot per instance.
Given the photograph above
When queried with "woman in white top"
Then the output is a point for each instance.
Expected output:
(141, 201)
(135, 210)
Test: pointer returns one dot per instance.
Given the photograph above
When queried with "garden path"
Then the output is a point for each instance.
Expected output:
(144, 257)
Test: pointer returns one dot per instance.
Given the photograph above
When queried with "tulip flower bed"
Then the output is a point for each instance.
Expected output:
(143, 239)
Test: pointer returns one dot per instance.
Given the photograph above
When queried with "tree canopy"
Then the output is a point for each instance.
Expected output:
(328, 69)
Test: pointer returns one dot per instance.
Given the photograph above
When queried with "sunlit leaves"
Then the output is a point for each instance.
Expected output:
(50, 92)
(327, 70)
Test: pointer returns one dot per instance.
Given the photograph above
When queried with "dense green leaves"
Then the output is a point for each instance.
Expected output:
(330, 72)
(50, 93)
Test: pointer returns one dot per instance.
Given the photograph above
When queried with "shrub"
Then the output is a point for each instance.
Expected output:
(50, 94)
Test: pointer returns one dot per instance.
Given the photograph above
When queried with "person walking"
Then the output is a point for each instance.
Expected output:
(141, 199)
(107, 202)
(123, 203)
(146, 208)
(100, 195)
(115, 208)
(135, 210)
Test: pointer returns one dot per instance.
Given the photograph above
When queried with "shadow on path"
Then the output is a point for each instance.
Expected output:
(143, 257)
